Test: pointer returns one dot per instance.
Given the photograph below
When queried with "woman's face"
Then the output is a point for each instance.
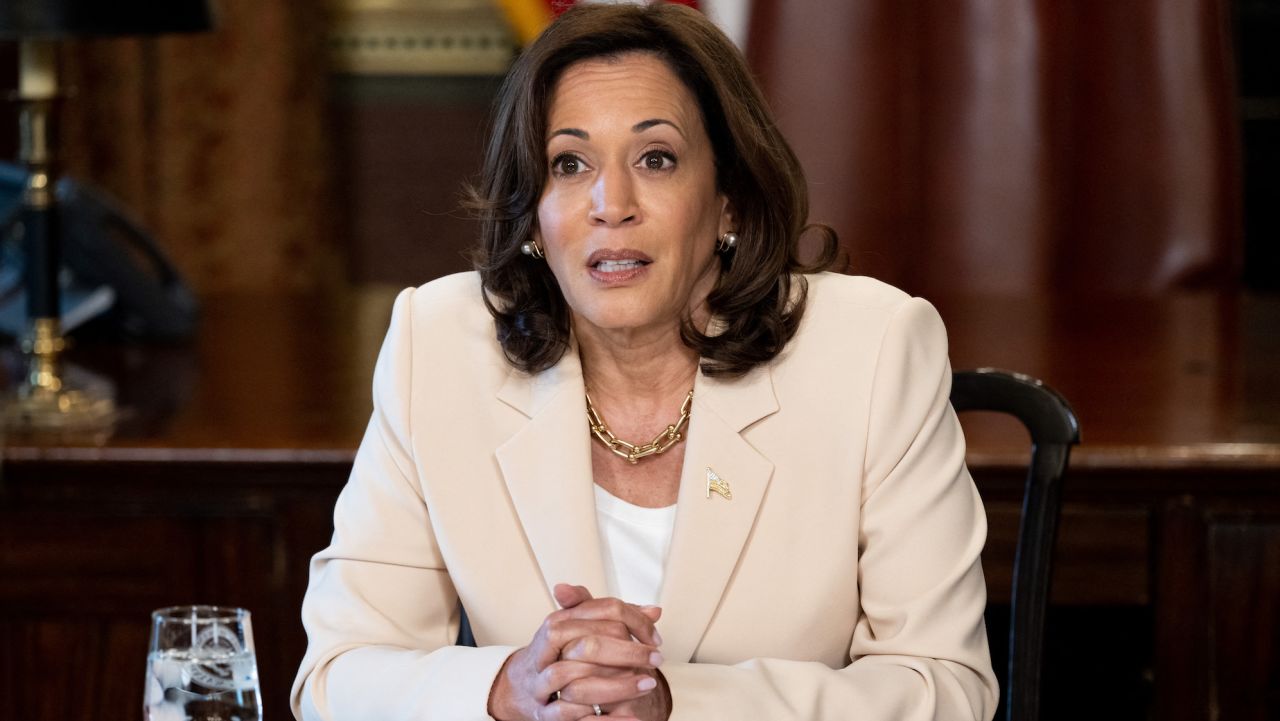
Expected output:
(630, 213)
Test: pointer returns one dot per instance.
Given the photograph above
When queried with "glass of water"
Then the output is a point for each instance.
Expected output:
(201, 666)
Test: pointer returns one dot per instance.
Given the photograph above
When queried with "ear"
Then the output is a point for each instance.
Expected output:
(728, 218)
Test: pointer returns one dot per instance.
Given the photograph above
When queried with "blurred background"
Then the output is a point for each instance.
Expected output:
(999, 146)
(1089, 191)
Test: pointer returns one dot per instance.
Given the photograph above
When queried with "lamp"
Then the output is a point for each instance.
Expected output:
(42, 402)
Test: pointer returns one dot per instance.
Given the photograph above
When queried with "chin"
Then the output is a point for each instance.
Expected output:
(619, 318)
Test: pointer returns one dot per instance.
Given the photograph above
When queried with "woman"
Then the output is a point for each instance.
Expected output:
(799, 540)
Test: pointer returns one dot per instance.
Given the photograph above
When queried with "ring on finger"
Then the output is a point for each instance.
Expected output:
(596, 707)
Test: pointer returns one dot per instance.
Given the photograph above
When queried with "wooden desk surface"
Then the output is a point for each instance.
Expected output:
(1188, 382)
(1185, 382)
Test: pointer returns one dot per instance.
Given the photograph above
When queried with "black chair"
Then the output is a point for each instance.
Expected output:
(1054, 429)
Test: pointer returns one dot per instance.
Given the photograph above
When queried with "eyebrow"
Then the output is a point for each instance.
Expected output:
(644, 125)
(570, 131)
(639, 127)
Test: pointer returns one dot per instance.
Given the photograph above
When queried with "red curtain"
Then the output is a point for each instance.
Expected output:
(1010, 147)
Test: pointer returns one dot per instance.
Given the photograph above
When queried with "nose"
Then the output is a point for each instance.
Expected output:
(613, 200)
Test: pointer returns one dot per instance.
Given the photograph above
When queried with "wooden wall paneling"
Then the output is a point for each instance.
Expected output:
(1102, 557)
(10, 680)
(1182, 596)
(1104, 554)
(88, 550)
(404, 149)
(236, 567)
(218, 141)
(124, 637)
(76, 593)
(53, 556)
(1244, 613)
(307, 526)
(1218, 606)
(69, 657)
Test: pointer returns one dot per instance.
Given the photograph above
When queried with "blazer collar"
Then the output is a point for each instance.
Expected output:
(711, 531)
(547, 469)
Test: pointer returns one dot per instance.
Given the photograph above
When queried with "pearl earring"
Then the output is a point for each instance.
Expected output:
(531, 249)
(727, 242)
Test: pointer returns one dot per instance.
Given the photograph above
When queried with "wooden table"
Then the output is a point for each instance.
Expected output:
(219, 484)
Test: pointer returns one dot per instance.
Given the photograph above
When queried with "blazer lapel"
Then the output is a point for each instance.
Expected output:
(547, 469)
(710, 532)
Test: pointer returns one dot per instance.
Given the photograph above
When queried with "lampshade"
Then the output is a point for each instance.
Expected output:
(62, 18)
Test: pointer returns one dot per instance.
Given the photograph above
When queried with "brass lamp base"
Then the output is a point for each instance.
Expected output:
(41, 411)
(42, 404)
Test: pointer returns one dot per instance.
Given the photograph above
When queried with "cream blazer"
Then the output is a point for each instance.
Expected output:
(841, 581)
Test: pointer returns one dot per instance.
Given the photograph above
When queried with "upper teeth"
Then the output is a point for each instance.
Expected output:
(609, 266)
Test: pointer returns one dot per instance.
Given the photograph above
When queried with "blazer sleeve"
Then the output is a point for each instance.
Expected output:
(381, 613)
(919, 648)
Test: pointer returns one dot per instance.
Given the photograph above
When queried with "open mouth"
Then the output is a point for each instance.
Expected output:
(618, 266)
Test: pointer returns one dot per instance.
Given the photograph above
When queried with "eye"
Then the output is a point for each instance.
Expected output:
(658, 160)
(567, 164)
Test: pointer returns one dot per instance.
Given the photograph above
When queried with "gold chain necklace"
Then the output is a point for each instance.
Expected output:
(633, 453)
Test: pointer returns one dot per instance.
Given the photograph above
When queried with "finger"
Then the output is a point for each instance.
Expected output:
(569, 596)
(606, 651)
(559, 631)
(566, 631)
(612, 609)
(603, 690)
(562, 673)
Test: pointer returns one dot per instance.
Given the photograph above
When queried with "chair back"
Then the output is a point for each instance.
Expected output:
(1054, 429)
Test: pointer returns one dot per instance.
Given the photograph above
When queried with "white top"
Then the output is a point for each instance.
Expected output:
(634, 541)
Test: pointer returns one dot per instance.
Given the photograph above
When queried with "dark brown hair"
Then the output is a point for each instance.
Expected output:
(753, 299)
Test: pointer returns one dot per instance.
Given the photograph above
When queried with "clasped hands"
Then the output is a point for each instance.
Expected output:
(599, 651)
